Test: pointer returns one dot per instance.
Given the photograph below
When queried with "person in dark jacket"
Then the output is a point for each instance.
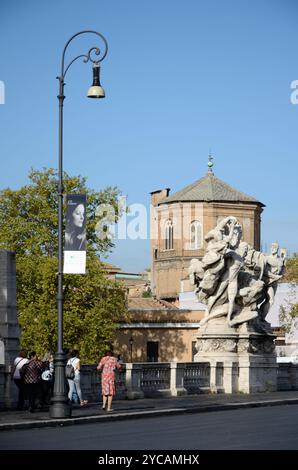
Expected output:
(31, 373)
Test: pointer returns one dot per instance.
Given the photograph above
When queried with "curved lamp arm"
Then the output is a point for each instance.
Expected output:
(86, 57)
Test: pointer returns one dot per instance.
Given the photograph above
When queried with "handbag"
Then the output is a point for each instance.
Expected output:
(47, 375)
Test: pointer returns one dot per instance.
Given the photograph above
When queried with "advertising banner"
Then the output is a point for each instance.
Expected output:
(75, 234)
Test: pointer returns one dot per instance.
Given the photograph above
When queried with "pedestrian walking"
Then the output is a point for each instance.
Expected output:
(108, 365)
(31, 373)
(19, 362)
(75, 382)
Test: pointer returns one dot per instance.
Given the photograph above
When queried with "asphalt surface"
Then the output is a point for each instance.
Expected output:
(261, 428)
(146, 408)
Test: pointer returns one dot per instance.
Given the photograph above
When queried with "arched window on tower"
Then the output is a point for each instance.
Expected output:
(195, 235)
(169, 235)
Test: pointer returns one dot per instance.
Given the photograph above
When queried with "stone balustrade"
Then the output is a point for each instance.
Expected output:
(155, 379)
(152, 379)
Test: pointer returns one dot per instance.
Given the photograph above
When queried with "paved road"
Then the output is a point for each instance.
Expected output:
(255, 428)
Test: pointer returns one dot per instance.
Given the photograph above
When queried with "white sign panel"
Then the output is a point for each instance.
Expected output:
(74, 262)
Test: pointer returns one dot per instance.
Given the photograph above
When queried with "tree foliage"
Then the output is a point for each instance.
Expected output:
(92, 303)
(291, 274)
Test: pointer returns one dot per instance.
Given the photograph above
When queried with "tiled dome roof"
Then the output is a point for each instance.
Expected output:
(209, 188)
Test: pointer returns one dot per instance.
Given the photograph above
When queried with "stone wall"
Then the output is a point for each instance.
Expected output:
(287, 376)
(9, 328)
(172, 329)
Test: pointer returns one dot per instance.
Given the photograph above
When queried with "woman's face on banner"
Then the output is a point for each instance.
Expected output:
(78, 215)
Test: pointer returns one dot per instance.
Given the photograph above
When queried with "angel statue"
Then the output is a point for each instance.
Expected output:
(233, 279)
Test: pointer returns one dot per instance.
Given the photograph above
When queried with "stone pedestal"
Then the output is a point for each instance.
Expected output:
(241, 359)
(9, 328)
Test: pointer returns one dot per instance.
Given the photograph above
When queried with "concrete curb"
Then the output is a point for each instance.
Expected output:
(30, 424)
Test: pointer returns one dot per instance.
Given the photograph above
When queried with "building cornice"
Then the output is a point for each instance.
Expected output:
(193, 325)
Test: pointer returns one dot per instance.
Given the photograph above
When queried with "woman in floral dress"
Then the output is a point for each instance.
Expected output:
(108, 365)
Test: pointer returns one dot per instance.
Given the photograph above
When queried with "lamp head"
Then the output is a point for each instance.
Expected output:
(96, 90)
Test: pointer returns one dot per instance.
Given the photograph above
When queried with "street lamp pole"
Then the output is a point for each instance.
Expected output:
(60, 407)
(131, 343)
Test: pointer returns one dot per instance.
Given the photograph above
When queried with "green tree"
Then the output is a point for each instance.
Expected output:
(92, 303)
(291, 274)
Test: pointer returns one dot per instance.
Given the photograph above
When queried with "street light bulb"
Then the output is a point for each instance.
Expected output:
(96, 90)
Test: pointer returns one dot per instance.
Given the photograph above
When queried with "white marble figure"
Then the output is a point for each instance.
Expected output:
(235, 280)
(274, 269)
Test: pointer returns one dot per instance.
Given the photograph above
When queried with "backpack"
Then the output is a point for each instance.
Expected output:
(14, 368)
(69, 372)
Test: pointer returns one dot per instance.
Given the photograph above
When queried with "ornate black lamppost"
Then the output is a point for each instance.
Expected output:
(60, 407)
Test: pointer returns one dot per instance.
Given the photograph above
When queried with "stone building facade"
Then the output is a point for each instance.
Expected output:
(158, 332)
(179, 223)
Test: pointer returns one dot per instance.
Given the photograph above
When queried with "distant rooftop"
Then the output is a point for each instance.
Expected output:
(110, 268)
(210, 188)
(149, 303)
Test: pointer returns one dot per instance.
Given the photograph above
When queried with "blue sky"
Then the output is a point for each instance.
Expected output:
(180, 78)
